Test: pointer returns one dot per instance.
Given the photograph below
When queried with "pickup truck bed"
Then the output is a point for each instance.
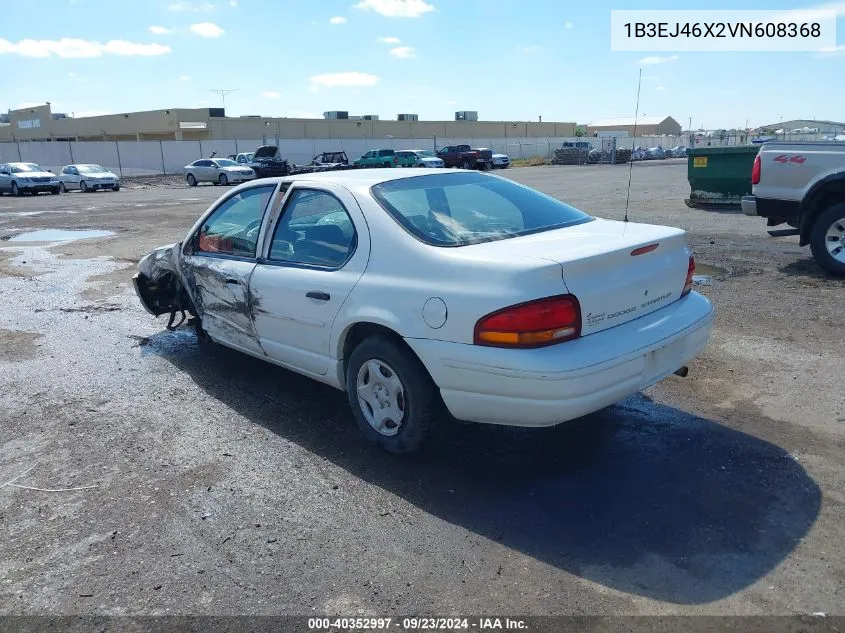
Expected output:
(803, 185)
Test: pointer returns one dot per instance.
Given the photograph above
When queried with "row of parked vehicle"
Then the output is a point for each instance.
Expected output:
(20, 178)
(267, 162)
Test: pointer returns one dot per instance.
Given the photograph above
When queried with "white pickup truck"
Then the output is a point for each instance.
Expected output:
(803, 185)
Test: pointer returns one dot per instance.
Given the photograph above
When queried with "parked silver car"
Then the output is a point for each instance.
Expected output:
(20, 178)
(87, 177)
(220, 171)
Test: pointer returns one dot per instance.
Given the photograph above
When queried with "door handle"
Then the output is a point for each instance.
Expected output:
(233, 281)
(320, 296)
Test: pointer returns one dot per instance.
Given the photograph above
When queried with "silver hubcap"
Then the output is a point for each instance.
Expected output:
(382, 396)
(834, 240)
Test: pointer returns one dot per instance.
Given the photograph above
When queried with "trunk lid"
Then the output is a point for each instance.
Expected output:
(612, 285)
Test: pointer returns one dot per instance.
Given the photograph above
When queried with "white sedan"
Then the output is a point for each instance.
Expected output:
(220, 171)
(414, 290)
(87, 177)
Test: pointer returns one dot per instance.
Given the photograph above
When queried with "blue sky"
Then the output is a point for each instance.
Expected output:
(506, 59)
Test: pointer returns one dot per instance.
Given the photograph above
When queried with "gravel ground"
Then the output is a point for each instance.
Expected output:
(225, 485)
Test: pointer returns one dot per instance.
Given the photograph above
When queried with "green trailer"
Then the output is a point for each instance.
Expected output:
(719, 176)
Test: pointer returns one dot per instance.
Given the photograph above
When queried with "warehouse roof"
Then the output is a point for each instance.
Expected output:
(628, 121)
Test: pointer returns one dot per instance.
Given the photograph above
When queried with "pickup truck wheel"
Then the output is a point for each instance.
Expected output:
(827, 240)
(466, 165)
(395, 403)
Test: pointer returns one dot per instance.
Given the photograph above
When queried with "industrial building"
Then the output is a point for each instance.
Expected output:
(39, 123)
(821, 127)
(644, 125)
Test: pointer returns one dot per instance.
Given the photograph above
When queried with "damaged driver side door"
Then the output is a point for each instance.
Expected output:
(220, 258)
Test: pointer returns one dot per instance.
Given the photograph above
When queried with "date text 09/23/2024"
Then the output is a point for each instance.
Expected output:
(417, 624)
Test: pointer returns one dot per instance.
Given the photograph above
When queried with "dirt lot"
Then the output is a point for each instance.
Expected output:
(224, 485)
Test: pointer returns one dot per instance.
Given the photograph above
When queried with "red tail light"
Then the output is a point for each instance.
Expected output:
(755, 171)
(690, 273)
(532, 324)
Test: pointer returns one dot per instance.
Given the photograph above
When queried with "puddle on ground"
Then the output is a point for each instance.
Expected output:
(705, 274)
(58, 235)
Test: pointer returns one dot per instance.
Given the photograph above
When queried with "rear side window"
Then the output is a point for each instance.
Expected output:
(469, 208)
(385, 152)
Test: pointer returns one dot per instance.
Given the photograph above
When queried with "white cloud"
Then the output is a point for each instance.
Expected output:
(233, 4)
(403, 52)
(184, 78)
(389, 40)
(568, 25)
(338, 19)
(656, 59)
(190, 7)
(531, 49)
(271, 94)
(73, 48)
(342, 80)
(158, 30)
(396, 8)
(206, 29)
(662, 89)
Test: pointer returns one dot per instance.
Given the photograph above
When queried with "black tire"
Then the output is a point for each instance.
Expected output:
(387, 165)
(422, 404)
(192, 181)
(223, 180)
(16, 190)
(831, 218)
(57, 191)
(466, 165)
(62, 187)
(116, 188)
(83, 186)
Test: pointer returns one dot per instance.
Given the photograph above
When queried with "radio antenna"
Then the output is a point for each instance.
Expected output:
(633, 140)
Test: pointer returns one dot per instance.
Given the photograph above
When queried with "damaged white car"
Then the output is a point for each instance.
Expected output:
(417, 291)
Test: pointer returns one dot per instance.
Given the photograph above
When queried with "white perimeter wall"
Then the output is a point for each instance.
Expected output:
(144, 158)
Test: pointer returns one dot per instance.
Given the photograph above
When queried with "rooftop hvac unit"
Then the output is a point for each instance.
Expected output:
(370, 117)
(466, 115)
(217, 112)
(336, 114)
(407, 117)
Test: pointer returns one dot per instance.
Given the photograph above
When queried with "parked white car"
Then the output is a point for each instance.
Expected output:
(220, 171)
(500, 161)
(416, 289)
(88, 178)
(20, 178)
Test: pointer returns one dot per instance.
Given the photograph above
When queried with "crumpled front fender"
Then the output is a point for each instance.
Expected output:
(159, 282)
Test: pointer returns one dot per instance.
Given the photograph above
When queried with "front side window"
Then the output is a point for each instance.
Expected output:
(468, 208)
(315, 230)
(232, 229)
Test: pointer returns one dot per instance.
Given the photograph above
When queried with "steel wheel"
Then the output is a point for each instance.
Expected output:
(62, 187)
(223, 180)
(834, 240)
(192, 181)
(15, 190)
(83, 186)
(382, 397)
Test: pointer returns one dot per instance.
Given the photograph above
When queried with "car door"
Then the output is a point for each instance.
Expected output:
(315, 253)
(5, 179)
(220, 256)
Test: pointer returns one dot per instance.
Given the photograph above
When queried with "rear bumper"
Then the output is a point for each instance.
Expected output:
(749, 205)
(550, 385)
(783, 210)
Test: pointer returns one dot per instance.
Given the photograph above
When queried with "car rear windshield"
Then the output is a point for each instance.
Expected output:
(468, 208)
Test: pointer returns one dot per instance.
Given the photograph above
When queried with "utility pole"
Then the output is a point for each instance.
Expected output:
(223, 94)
